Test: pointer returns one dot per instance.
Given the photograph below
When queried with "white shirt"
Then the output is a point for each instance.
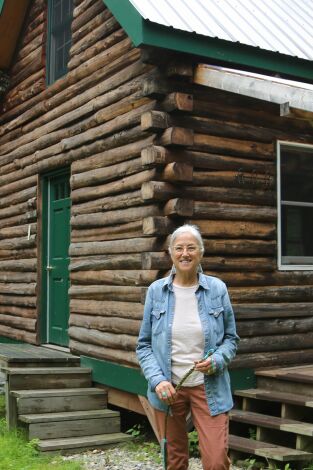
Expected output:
(187, 336)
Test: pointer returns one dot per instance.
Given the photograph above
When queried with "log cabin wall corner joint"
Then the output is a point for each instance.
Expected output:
(148, 149)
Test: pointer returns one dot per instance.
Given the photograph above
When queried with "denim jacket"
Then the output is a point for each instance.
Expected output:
(218, 323)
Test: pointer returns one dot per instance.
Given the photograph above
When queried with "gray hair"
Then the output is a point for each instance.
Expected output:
(187, 228)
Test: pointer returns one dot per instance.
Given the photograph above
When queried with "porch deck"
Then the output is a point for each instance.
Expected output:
(27, 355)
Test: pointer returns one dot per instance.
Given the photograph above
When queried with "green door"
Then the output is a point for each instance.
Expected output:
(56, 258)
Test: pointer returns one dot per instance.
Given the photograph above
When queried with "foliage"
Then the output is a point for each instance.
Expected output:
(16, 453)
(137, 430)
(193, 444)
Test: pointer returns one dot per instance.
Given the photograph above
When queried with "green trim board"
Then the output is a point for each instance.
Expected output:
(131, 380)
(5, 340)
(1, 5)
(145, 33)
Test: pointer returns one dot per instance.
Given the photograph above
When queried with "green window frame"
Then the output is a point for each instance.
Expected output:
(59, 38)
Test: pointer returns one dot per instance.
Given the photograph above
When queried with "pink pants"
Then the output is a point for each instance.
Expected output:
(212, 431)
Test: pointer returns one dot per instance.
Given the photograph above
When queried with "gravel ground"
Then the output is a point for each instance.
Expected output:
(120, 458)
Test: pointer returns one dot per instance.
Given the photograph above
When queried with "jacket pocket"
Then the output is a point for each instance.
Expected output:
(216, 310)
(158, 320)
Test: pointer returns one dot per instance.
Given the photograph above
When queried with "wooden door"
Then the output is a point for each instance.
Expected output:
(56, 206)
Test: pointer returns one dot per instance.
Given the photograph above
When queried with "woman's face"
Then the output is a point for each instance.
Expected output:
(186, 253)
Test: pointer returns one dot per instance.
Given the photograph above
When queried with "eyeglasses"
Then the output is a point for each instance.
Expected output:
(178, 249)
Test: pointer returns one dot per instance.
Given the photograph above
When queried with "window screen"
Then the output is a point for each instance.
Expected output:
(60, 13)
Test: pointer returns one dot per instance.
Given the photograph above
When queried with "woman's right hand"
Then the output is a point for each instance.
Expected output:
(166, 392)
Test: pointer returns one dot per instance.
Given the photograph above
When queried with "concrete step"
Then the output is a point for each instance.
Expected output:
(58, 400)
(77, 444)
(71, 424)
(48, 378)
(272, 422)
(267, 450)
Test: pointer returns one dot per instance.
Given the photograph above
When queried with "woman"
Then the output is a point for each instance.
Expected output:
(186, 315)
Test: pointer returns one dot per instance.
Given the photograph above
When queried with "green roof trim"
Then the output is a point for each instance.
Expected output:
(1, 5)
(143, 32)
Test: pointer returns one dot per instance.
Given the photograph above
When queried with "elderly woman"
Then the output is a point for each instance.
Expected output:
(186, 315)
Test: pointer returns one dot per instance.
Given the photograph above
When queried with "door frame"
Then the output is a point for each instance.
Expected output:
(43, 243)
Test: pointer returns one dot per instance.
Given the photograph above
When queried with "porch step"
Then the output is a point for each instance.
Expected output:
(53, 377)
(274, 396)
(272, 422)
(71, 424)
(288, 379)
(98, 441)
(58, 400)
(267, 450)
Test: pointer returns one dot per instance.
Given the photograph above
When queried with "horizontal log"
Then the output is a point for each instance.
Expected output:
(109, 262)
(240, 246)
(216, 210)
(18, 334)
(158, 155)
(119, 201)
(91, 24)
(158, 226)
(27, 217)
(107, 308)
(273, 358)
(231, 195)
(237, 179)
(136, 245)
(123, 293)
(179, 207)
(235, 229)
(18, 197)
(28, 324)
(18, 288)
(115, 341)
(129, 183)
(233, 146)
(246, 277)
(17, 300)
(177, 101)
(113, 325)
(272, 294)
(152, 259)
(11, 276)
(113, 155)
(159, 191)
(20, 231)
(18, 311)
(16, 186)
(177, 172)
(176, 136)
(100, 352)
(18, 209)
(272, 310)
(86, 13)
(115, 278)
(114, 232)
(276, 326)
(119, 216)
(276, 343)
(21, 265)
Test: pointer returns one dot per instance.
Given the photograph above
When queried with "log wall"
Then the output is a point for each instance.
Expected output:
(148, 150)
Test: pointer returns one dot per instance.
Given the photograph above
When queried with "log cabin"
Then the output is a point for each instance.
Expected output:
(117, 126)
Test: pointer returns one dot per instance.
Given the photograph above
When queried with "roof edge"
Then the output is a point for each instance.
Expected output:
(144, 32)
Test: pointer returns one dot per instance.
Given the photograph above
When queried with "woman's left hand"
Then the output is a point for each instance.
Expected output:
(206, 366)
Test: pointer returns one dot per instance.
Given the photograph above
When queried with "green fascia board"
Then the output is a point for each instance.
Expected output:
(145, 33)
(131, 380)
(1, 5)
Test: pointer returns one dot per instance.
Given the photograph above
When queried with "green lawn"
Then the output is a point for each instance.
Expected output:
(18, 454)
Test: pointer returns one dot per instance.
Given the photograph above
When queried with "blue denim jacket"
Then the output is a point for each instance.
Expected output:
(218, 323)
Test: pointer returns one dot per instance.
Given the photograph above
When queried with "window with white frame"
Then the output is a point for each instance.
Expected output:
(295, 205)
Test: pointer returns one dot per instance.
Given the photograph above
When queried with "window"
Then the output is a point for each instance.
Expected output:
(60, 14)
(295, 206)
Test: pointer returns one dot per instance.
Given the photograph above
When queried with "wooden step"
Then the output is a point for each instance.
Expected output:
(71, 424)
(272, 422)
(52, 377)
(288, 379)
(273, 396)
(267, 450)
(98, 441)
(58, 400)
(27, 355)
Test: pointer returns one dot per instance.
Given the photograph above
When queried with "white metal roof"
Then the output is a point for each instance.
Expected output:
(284, 26)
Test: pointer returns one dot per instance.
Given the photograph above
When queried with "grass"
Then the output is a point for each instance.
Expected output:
(16, 453)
